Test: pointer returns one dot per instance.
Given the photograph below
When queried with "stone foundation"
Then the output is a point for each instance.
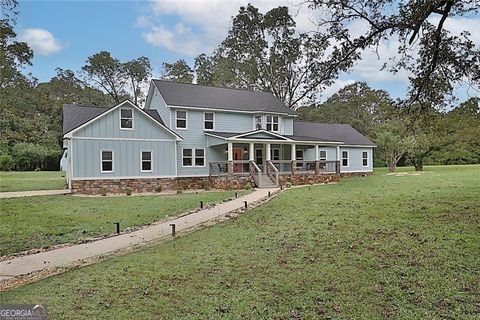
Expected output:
(355, 174)
(143, 185)
(302, 179)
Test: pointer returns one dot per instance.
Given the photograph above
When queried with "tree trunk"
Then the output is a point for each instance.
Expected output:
(418, 164)
(391, 167)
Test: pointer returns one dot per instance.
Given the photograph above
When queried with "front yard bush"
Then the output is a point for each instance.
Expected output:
(6, 162)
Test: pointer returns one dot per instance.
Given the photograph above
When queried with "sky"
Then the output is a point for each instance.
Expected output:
(64, 33)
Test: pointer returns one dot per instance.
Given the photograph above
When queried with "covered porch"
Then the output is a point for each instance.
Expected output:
(273, 160)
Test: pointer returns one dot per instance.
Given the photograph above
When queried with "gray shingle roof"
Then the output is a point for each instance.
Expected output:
(193, 95)
(327, 131)
(76, 115)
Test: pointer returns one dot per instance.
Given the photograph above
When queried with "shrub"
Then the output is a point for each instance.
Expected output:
(30, 156)
(159, 188)
(128, 191)
(6, 162)
(206, 185)
(103, 191)
(248, 186)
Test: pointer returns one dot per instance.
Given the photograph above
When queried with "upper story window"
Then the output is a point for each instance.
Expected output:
(209, 121)
(272, 123)
(257, 122)
(126, 119)
(344, 158)
(106, 159)
(181, 119)
(365, 158)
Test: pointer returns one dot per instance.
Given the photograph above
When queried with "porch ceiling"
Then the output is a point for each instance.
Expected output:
(264, 136)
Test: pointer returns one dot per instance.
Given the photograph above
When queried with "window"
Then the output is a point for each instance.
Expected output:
(258, 122)
(275, 154)
(193, 157)
(344, 158)
(126, 119)
(199, 157)
(259, 156)
(146, 160)
(299, 158)
(107, 161)
(323, 155)
(272, 123)
(365, 158)
(209, 121)
(181, 119)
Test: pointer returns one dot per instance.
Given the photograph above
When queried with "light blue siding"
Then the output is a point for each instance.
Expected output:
(233, 122)
(355, 159)
(126, 155)
(157, 103)
(105, 134)
(309, 154)
(287, 123)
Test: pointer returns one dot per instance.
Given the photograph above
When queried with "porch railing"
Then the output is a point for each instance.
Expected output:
(328, 167)
(283, 166)
(272, 172)
(305, 166)
(241, 167)
(219, 168)
(256, 174)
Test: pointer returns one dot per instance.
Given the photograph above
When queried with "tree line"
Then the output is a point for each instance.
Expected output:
(264, 51)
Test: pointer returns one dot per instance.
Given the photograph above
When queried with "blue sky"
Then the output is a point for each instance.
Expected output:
(64, 33)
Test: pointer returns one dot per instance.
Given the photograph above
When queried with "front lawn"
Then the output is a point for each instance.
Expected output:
(396, 247)
(36, 222)
(32, 180)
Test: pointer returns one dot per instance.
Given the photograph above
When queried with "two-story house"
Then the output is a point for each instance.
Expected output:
(191, 136)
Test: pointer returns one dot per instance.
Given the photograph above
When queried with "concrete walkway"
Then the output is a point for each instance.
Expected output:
(65, 256)
(18, 194)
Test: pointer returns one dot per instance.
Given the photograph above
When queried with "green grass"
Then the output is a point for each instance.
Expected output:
(36, 222)
(366, 248)
(31, 180)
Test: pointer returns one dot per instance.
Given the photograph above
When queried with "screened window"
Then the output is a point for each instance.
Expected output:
(272, 123)
(146, 158)
(193, 157)
(209, 120)
(365, 158)
(344, 158)
(299, 158)
(258, 122)
(181, 119)
(126, 118)
(107, 161)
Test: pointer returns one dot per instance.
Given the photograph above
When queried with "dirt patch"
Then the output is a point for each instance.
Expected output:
(403, 174)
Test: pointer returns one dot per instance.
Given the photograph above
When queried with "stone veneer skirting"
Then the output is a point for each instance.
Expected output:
(356, 174)
(141, 185)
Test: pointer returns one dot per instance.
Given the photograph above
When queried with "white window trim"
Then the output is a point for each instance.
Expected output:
(365, 166)
(194, 165)
(348, 158)
(266, 122)
(204, 120)
(141, 161)
(101, 161)
(120, 119)
(186, 120)
(279, 154)
(255, 123)
(320, 152)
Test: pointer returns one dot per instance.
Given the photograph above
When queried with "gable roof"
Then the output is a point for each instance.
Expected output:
(75, 116)
(329, 131)
(219, 98)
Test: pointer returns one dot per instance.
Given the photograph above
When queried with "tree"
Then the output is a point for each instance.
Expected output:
(263, 52)
(357, 105)
(204, 69)
(442, 59)
(107, 73)
(138, 72)
(393, 142)
(178, 71)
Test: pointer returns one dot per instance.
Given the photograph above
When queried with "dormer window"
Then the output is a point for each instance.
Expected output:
(181, 119)
(272, 123)
(257, 122)
(126, 119)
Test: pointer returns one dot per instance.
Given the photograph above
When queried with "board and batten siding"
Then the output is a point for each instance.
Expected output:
(105, 134)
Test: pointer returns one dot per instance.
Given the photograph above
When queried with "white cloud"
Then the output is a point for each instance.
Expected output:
(41, 41)
(160, 36)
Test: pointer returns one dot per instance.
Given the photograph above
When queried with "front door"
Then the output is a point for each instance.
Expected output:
(237, 156)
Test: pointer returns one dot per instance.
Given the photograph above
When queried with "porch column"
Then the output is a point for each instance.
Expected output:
(337, 163)
(230, 158)
(317, 160)
(338, 153)
(267, 157)
(293, 157)
(251, 157)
